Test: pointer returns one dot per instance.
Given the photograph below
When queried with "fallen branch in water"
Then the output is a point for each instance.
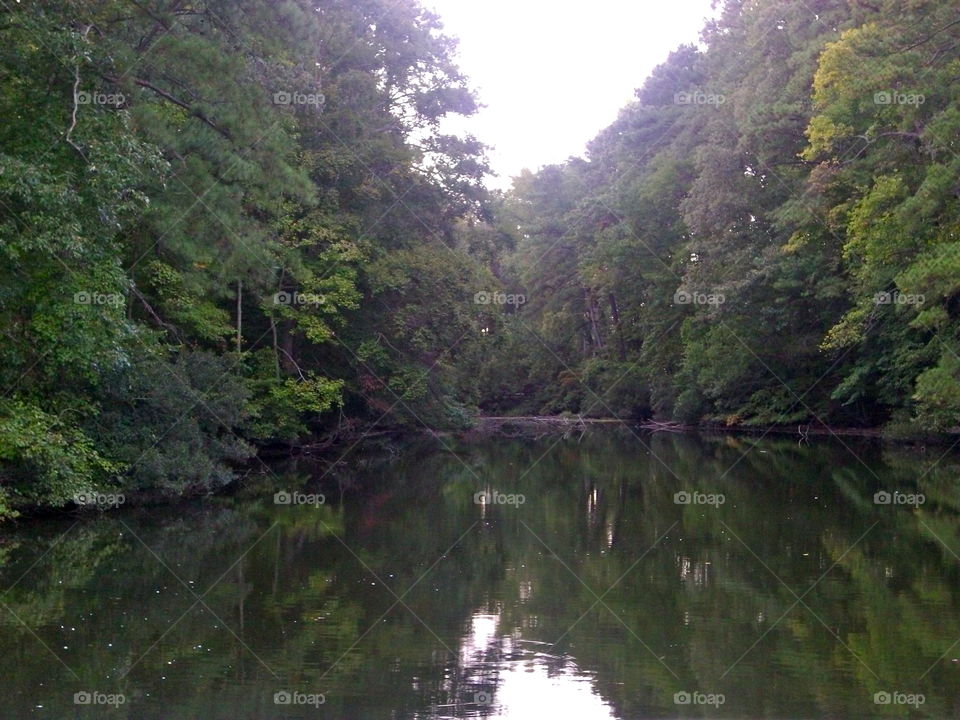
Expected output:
(538, 426)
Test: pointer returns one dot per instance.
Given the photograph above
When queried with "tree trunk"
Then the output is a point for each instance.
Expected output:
(615, 312)
(593, 318)
(239, 315)
(289, 353)
(276, 346)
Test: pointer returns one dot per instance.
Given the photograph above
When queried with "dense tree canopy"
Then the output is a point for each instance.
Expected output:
(768, 235)
(223, 224)
(230, 225)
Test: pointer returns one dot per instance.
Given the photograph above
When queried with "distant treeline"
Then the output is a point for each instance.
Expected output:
(768, 235)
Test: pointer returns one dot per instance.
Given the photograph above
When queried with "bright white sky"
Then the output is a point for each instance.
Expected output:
(554, 73)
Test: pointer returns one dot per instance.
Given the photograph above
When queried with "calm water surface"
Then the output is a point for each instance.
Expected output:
(606, 576)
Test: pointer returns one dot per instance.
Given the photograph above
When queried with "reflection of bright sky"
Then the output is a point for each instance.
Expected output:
(525, 688)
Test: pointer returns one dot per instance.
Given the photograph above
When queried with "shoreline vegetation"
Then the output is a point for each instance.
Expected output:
(242, 228)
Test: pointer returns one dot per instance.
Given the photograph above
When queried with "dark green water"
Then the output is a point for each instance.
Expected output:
(598, 597)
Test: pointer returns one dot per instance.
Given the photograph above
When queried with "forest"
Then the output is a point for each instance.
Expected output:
(229, 228)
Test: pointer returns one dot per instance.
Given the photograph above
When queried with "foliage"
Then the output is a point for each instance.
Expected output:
(768, 234)
(242, 223)
(200, 208)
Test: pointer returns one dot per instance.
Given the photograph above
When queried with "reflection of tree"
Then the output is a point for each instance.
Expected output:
(313, 609)
(721, 598)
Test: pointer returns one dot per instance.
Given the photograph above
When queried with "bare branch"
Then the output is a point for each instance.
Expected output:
(176, 101)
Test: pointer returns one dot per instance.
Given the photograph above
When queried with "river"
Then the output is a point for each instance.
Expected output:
(608, 575)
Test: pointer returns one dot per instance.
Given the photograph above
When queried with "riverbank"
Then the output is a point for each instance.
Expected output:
(333, 449)
(561, 422)
(537, 426)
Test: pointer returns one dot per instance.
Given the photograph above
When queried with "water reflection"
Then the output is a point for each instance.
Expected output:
(600, 596)
(521, 679)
